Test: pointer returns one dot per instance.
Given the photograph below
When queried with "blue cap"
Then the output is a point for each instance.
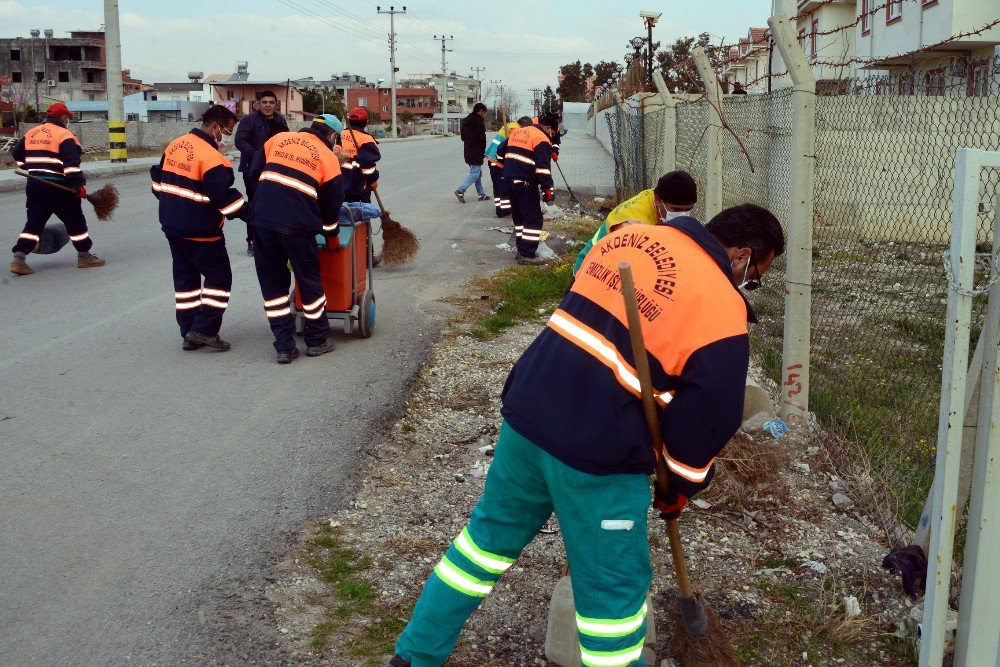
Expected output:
(331, 121)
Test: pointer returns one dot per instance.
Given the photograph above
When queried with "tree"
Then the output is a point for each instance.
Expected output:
(573, 87)
(322, 100)
(606, 70)
(549, 98)
(405, 117)
(676, 63)
(588, 71)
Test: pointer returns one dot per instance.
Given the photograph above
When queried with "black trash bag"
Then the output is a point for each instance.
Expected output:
(52, 239)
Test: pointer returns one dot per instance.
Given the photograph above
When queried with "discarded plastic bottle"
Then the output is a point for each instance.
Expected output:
(776, 428)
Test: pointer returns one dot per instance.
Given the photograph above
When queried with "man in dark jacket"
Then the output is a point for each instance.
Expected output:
(251, 135)
(474, 138)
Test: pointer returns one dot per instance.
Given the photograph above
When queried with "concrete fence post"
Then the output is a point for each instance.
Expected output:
(713, 134)
(798, 272)
(669, 158)
(622, 145)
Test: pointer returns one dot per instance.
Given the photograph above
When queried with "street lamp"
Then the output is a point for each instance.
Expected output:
(650, 18)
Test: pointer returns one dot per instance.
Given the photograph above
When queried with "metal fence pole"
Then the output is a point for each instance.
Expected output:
(713, 134)
(978, 641)
(961, 266)
(798, 275)
(669, 122)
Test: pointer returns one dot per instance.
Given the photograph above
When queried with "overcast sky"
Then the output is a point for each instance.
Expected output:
(521, 42)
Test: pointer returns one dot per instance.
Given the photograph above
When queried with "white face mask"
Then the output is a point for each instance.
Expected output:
(670, 215)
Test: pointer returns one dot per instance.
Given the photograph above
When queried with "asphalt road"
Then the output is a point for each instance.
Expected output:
(146, 492)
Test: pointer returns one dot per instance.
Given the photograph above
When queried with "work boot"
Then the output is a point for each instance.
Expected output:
(88, 261)
(287, 356)
(198, 338)
(529, 261)
(398, 662)
(19, 267)
(189, 345)
(460, 196)
(327, 346)
(483, 197)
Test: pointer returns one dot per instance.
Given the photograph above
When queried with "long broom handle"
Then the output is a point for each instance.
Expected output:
(652, 419)
(46, 181)
(559, 167)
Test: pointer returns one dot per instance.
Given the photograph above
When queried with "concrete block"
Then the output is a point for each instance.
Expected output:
(755, 400)
(562, 642)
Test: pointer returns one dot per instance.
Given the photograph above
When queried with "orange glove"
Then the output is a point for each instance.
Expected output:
(82, 191)
(373, 186)
(555, 157)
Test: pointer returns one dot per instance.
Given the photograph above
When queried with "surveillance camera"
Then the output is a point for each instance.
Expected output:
(650, 15)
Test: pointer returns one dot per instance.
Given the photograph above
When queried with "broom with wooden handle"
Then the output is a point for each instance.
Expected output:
(105, 200)
(399, 244)
(708, 644)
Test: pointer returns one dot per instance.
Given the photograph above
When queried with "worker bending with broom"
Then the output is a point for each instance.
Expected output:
(574, 439)
(51, 152)
(675, 195)
(299, 194)
(494, 158)
(361, 149)
(194, 183)
(527, 161)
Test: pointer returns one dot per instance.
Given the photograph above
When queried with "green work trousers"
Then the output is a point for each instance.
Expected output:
(603, 523)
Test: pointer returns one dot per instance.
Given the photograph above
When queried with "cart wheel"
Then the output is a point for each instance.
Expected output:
(366, 314)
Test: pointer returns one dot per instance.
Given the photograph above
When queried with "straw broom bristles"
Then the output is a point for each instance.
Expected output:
(105, 201)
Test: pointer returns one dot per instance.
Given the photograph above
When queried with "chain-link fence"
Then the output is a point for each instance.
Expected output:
(885, 162)
(883, 169)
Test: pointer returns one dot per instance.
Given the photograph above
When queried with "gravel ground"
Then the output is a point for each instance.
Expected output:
(795, 578)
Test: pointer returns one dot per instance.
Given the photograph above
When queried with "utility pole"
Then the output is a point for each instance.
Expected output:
(479, 84)
(444, 78)
(536, 96)
(392, 58)
(496, 88)
(116, 96)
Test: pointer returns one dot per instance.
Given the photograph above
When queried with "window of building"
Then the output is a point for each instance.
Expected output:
(15, 77)
(39, 77)
(802, 38)
(934, 82)
(362, 101)
(132, 116)
(385, 108)
(229, 94)
(63, 77)
(928, 3)
(813, 38)
(15, 54)
(893, 11)
(866, 16)
(979, 80)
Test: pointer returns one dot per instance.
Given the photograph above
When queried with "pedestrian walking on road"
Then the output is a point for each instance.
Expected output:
(527, 167)
(194, 183)
(473, 131)
(253, 132)
(299, 195)
(52, 152)
(586, 454)
(361, 149)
